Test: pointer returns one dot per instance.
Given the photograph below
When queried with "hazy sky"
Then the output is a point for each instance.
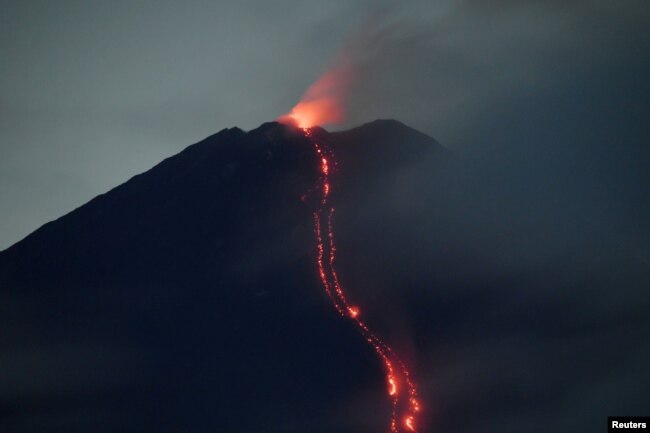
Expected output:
(92, 93)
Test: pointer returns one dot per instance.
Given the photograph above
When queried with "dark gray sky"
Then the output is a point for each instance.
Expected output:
(92, 93)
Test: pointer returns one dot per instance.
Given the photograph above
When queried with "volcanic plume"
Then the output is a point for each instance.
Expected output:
(324, 101)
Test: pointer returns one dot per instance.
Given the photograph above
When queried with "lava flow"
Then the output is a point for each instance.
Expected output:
(400, 387)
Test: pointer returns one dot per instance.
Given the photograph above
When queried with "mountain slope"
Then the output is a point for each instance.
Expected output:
(187, 298)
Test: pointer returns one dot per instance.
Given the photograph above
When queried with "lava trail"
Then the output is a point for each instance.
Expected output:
(400, 387)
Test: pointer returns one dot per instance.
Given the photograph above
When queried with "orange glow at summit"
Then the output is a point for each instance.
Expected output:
(324, 101)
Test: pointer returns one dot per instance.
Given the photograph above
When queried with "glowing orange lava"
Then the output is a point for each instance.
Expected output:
(392, 390)
(408, 422)
(401, 389)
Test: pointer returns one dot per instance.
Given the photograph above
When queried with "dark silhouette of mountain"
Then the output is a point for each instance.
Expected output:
(187, 299)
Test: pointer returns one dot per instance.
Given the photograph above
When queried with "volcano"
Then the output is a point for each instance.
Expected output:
(188, 299)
